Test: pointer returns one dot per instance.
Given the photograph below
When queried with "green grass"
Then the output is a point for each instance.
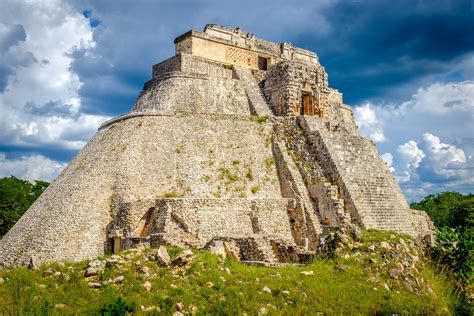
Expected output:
(241, 291)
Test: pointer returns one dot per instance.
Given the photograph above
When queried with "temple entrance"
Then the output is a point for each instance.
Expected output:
(306, 106)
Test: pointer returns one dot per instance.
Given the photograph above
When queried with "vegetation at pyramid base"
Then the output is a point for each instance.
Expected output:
(453, 215)
(16, 196)
(357, 280)
(449, 209)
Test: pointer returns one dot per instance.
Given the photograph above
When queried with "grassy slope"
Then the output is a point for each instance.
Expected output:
(328, 290)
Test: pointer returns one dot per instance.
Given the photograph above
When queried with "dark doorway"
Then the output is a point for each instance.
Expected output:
(262, 63)
(306, 107)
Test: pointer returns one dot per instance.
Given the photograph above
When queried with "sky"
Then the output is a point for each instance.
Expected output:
(405, 67)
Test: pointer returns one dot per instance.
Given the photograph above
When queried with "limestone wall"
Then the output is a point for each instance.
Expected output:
(189, 64)
(195, 222)
(138, 159)
(187, 93)
(286, 81)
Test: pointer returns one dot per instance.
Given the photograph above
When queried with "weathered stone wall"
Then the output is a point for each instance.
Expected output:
(186, 93)
(287, 80)
(195, 222)
(135, 160)
(326, 195)
(192, 65)
(235, 47)
(257, 102)
(305, 220)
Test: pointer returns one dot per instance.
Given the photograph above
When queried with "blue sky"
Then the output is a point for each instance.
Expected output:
(405, 67)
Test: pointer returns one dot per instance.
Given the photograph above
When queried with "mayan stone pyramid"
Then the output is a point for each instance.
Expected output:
(236, 141)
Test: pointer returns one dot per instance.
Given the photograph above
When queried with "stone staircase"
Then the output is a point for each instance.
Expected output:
(306, 225)
(353, 163)
(258, 105)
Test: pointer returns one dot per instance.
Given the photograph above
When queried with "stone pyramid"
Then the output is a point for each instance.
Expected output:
(236, 141)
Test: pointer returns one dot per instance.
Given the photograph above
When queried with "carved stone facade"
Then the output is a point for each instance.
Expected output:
(234, 140)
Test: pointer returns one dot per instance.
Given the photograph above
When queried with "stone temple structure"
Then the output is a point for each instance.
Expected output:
(234, 140)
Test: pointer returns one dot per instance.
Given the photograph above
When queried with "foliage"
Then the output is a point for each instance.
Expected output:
(118, 308)
(449, 209)
(16, 196)
(454, 250)
(453, 215)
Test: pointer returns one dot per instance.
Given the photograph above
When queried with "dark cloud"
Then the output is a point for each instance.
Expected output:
(50, 108)
(59, 154)
(377, 45)
(10, 36)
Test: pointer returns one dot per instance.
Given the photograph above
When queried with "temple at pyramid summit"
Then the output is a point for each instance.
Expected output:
(234, 141)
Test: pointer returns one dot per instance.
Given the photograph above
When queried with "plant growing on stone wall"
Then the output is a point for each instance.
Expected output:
(206, 178)
(268, 140)
(171, 194)
(269, 162)
(249, 174)
(255, 189)
(259, 119)
(227, 174)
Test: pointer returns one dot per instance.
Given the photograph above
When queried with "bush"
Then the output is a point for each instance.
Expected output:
(118, 308)
(454, 250)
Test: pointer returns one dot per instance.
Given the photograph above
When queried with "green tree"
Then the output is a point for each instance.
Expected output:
(16, 196)
(449, 209)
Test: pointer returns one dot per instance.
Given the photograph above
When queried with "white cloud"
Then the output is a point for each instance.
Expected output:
(388, 158)
(443, 159)
(32, 167)
(410, 156)
(430, 137)
(369, 125)
(53, 30)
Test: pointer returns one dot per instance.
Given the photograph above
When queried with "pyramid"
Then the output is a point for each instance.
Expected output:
(235, 141)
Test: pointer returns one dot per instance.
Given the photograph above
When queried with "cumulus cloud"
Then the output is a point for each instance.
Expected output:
(31, 167)
(39, 102)
(410, 156)
(369, 124)
(429, 137)
(388, 158)
(444, 160)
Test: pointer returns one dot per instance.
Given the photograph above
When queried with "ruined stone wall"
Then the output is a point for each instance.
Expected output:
(326, 196)
(195, 222)
(192, 65)
(306, 224)
(285, 82)
(213, 50)
(135, 160)
(232, 46)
